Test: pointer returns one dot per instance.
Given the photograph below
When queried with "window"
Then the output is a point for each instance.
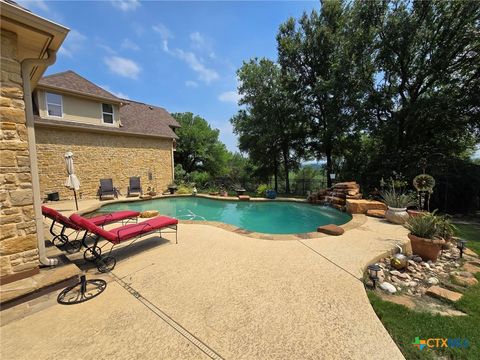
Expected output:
(107, 112)
(54, 105)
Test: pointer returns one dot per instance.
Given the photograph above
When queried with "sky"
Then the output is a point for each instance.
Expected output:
(182, 56)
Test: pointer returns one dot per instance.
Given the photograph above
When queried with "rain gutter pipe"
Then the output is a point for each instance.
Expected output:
(27, 66)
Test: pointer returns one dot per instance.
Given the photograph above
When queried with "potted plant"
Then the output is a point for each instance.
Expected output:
(424, 232)
(172, 188)
(397, 202)
(239, 189)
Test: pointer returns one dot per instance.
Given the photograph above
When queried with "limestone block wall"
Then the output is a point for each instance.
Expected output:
(101, 155)
(18, 246)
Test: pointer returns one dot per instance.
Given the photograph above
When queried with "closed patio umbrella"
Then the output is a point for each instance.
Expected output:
(72, 181)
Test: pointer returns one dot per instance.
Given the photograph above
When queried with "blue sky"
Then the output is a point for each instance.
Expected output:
(179, 55)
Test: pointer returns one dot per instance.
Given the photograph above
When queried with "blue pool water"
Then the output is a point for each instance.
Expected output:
(275, 217)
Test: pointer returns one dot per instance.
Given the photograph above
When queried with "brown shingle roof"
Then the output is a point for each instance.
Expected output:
(143, 118)
(71, 81)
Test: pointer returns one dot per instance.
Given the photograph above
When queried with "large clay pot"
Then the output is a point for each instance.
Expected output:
(396, 215)
(427, 249)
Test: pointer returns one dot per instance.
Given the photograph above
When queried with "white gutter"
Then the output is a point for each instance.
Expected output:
(27, 66)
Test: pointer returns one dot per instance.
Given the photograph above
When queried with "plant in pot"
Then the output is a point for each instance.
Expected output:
(446, 230)
(397, 202)
(424, 236)
(172, 188)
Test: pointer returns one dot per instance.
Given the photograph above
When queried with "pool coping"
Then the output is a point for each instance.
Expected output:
(356, 221)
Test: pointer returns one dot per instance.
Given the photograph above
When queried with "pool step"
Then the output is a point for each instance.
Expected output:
(243, 197)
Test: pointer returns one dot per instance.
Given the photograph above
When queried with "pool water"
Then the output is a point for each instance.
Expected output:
(273, 217)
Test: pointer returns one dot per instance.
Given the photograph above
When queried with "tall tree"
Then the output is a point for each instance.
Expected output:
(428, 56)
(270, 127)
(198, 146)
(329, 68)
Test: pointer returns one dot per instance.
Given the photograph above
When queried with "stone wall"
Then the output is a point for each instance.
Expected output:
(100, 155)
(18, 245)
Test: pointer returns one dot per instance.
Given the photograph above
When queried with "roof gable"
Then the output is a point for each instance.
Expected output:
(70, 81)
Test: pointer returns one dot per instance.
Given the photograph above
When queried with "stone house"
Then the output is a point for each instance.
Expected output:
(28, 46)
(109, 137)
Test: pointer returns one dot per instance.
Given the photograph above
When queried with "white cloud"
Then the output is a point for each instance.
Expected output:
(205, 74)
(123, 67)
(126, 5)
(129, 44)
(190, 83)
(73, 43)
(31, 4)
(165, 34)
(117, 94)
(229, 96)
(197, 39)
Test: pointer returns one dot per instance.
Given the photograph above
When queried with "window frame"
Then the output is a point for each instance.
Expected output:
(104, 112)
(48, 103)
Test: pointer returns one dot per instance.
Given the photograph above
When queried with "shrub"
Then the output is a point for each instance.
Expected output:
(184, 189)
(200, 179)
(397, 199)
(425, 226)
(445, 227)
(261, 189)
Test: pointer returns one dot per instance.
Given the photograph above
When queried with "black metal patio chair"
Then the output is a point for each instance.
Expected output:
(107, 189)
(134, 187)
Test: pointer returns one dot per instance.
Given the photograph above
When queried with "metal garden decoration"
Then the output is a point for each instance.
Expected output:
(424, 184)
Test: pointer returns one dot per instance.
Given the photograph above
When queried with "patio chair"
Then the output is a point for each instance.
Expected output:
(119, 235)
(134, 187)
(60, 238)
(107, 189)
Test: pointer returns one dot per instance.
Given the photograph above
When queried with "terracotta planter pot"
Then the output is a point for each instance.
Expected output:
(427, 249)
(396, 215)
(414, 213)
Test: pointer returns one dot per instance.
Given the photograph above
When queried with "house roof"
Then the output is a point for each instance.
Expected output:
(70, 81)
(161, 131)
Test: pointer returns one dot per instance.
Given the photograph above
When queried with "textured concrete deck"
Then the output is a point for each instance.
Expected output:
(226, 296)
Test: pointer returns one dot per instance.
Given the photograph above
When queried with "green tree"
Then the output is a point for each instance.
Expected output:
(428, 78)
(327, 60)
(198, 146)
(270, 128)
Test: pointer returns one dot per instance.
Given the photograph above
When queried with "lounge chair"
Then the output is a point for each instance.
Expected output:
(107, 189)
(134, 186)
(63, 239)
(118, 235)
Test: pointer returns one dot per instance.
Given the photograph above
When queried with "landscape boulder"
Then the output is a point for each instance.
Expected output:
(331, 230)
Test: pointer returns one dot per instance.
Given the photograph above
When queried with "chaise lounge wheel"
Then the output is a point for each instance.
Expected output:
(92, 253)
(81, 291)
(60, 240)
(106, 264)
(73, 246)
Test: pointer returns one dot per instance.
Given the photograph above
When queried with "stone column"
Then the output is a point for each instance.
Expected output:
(18, 246)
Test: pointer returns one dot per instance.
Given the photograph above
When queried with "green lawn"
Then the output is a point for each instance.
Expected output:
(470, 232)
(405, 325)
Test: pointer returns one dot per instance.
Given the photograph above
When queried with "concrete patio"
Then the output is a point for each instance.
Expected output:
(218, 294)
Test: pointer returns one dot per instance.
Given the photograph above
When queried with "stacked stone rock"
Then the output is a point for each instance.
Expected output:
(18, 249)
(337, 195)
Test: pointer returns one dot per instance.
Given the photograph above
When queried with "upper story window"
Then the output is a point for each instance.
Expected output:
(107, 113)
(54, 105)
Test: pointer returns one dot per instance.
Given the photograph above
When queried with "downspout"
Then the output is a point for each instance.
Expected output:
(27, 66)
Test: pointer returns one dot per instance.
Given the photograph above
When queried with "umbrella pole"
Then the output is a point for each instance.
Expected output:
(75, 195)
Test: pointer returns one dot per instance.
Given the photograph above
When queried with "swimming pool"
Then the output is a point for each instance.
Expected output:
(273, 217)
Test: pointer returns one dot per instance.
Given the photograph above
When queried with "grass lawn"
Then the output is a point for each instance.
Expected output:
(470, 232)
(404, 325)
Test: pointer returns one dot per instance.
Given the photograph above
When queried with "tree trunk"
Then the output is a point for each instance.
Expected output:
(275, 173)
(287, 168)
(328, 153)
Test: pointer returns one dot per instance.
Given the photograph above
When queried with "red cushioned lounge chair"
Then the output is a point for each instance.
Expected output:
(118, 235)
(59, 220)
